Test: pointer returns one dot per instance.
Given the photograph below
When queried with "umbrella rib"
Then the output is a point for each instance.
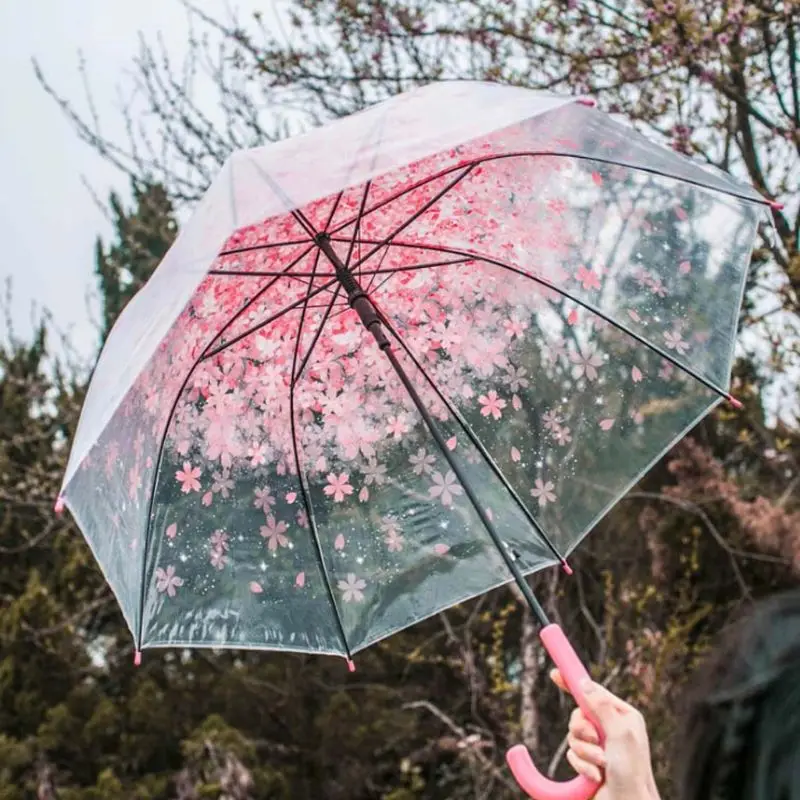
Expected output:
(307, 356)
(385, 271)
(415, 216)
(299, 469)
(285, 310)
(570, 296)
(473, 438)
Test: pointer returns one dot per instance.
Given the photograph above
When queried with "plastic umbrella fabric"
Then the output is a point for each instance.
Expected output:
(400, 360)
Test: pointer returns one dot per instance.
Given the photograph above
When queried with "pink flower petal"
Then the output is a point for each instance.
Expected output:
(363, 495)
(300, 580)
(633, 315)
(338, 543)
(515, 454)
(685, 267)
(636, 374)
(607, 424)
(516, 402)
(172, 531)
(256, 587)
(441, 549)
(597, 179)
(451, 443)
(291, 497)
(207, 498)
(572, 319)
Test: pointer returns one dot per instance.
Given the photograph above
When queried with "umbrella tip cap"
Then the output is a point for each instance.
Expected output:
(59, 506)
(566, 567)
(737, 404)
(775, 205)
(590, 102)
(137, 658)
(351, 665)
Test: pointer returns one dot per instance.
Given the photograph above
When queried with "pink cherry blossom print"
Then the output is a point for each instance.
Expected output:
(394, 541)
(300, 580)
(451, 443)
(636, 375)
(597, 179)
(586, 364)
(208, 499)
(587, 278)
(685, 267)
(167, 582)
(172, 531)
(445, 487)
(492, 405)
(188, 477)
(363, 495)
(543, 492)
(256, 587)
(352, 588)
(338, 487)
(562, 435)
(222, 484)
(219, 540)
(338, 542)
(291, 497)
(572, 317)
(515, 455)
(674, 341)
(264, 499)
(275, 533)
(218, 559)
(516, 402)
(441, 549)
(680, 213)
(422, 462)
(551, 420)
(606, 424)
(515, 328)
(397, 426)
(634, 315)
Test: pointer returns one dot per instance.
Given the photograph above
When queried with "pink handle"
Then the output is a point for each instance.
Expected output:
(524, 770)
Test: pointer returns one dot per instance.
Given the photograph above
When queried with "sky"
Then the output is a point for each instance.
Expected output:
(49, 219)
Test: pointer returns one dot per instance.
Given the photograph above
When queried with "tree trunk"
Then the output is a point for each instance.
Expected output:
(529, 656)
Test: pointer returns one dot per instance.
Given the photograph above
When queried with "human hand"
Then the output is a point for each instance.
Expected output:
(623, 763)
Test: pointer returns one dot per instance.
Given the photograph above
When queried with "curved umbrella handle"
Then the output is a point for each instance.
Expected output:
(524, 770)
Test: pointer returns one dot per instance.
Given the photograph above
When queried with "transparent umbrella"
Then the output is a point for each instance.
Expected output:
(398, 361)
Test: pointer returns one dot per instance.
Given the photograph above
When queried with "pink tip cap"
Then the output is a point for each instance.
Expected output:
(587, 101)
(775, 205)
(137, 658)
(351, 665)
(566, 567)
(59, 506)
(734, 402)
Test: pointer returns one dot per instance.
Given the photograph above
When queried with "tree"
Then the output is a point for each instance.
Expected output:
(712, 526)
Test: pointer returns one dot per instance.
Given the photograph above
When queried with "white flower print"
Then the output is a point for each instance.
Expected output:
(352, 588)
(445, 487)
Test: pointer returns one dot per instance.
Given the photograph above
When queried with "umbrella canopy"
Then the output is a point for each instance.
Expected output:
(562, 294)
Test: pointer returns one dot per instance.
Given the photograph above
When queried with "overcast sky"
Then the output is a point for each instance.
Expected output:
(48, 219)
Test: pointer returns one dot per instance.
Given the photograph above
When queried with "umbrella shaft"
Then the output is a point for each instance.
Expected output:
(362, 305)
